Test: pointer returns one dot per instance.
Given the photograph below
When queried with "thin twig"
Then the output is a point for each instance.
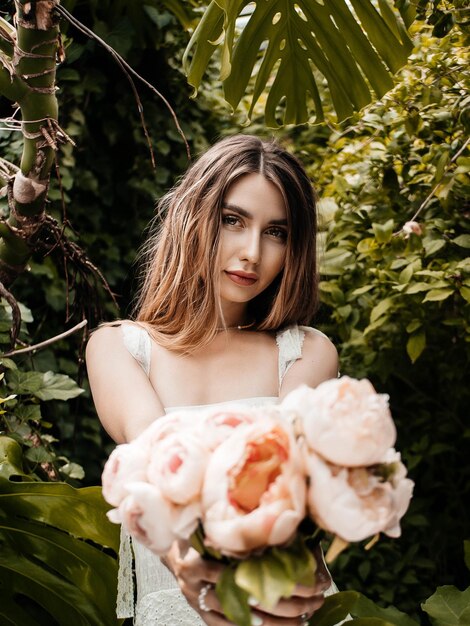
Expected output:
(426, 201)
(46, 342)
(125, 66)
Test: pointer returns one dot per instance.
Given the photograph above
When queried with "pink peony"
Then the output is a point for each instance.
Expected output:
(177, 466)
(356, 503)
(165, 426)
(344, 420)
(216, 424)
(254, 490)
(153, 520)
(126, 463)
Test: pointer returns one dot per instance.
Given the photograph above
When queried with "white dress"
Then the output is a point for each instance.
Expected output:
(159, 599)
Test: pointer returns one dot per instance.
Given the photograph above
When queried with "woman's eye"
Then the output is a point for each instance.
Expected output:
(230, 220)
(278, 233)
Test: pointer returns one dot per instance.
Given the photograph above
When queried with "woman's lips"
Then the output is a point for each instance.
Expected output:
(241, 279)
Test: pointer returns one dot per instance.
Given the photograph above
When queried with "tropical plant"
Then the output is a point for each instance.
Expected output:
(57, 550)
(23, 416)
(105, 193)
(291, 47)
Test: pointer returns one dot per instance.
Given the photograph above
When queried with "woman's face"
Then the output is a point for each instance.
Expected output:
(253, 242)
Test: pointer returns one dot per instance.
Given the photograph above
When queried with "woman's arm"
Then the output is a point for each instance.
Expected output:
(124, 398)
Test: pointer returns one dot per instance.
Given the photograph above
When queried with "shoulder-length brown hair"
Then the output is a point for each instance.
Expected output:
(178, 299)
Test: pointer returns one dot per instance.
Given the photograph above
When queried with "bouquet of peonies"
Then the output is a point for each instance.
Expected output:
(256, 486)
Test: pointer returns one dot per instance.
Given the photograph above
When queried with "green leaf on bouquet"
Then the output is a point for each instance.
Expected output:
(366, 608)
(448, 606)
(371, 621)
(275, 573)
(234, 600)
(265, 578)
(335, 609)
(299, 563)
(197, 542)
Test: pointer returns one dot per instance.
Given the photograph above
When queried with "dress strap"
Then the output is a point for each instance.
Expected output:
(290, 342)
(138, 342)
(125, 586)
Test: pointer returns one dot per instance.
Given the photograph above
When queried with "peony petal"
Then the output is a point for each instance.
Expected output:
(344, 420)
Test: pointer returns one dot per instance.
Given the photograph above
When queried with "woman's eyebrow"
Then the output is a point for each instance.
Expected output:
(233, 207)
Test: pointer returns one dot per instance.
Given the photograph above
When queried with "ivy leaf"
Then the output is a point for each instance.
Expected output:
(383, 232)
(431, 246)
(380, 309)
(448, 606)
(414, 325)
(436, 295)
(8, 363)
(415, 345)
(38, 455)
(462, 240)
(24, 383)
(73, 470)
(465, 293)
(26, 412)
(57, 387)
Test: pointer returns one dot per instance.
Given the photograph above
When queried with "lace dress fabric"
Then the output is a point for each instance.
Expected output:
(159, 599)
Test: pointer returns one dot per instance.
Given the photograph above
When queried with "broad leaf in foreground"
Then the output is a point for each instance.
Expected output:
(286, 45)
(57, 550)
(448, 606)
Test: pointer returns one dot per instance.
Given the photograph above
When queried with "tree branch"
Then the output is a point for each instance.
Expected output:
(46, 342)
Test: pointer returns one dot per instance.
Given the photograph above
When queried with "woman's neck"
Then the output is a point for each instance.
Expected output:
(233, 316)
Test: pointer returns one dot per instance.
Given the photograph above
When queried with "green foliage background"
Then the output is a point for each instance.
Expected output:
(109, 188)
(396, 306)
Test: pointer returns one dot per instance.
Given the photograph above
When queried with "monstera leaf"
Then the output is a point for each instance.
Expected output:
(289, 46)
(57, 550)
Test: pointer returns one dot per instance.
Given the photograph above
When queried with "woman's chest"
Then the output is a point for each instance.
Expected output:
(226, 369)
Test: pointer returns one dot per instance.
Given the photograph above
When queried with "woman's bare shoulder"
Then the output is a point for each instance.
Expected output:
(319, 362)
(108, 335)
(319, 348)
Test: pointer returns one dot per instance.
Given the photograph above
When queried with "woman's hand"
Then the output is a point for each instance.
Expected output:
(197, 578)
(304, 601)
(194, 574)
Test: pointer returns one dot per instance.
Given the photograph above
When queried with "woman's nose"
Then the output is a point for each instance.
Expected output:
(251, 248)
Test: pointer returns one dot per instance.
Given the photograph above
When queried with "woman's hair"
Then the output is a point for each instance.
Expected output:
(179, 296)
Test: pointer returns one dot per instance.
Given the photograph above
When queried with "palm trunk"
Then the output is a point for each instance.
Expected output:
(28, 78)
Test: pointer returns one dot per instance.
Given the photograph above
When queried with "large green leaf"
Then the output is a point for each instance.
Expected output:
(365, 608)
(57, 550)
(335, 609)
(285, 44)
(448, 606)
(43, 385)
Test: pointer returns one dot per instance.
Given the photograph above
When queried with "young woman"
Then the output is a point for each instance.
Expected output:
(229, 281)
